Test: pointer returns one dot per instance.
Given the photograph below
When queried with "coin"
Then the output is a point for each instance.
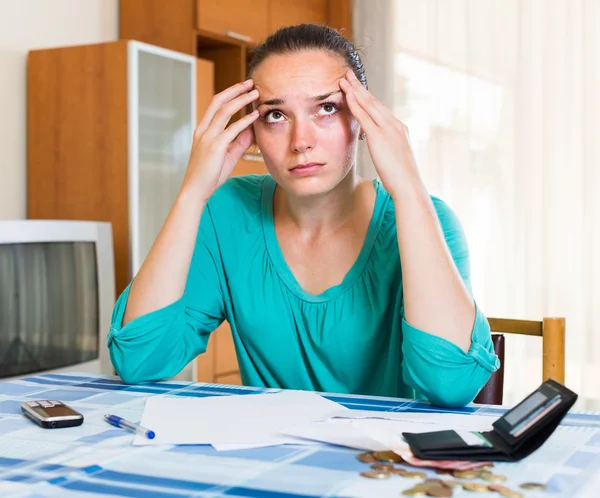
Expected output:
(376, 474)
(452, 484)
(465, 474)
(387, 456)
(538, 486)
(439, 491)
(444, 472)
(386, 467)
(431, 481)
(397, 471)
(493, 478)
(414, 492)
(498, 488)
(509, 493)
(414, 475)
(477, 487)
(367, 458)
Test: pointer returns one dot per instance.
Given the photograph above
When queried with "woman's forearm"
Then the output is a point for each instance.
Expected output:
(162, 277)
(436, 298)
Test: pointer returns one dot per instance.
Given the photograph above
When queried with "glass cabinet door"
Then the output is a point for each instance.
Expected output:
(162, 121)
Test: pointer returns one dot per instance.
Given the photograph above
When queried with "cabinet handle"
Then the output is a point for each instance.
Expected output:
(238, 36)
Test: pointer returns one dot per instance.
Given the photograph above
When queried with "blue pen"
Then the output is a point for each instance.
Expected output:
(124, 424)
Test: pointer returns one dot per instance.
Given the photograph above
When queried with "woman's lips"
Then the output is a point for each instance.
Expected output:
(306, 169)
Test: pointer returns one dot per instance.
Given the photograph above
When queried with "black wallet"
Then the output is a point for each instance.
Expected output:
(515, 435)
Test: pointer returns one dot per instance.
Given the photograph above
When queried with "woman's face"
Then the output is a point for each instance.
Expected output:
(305, 132)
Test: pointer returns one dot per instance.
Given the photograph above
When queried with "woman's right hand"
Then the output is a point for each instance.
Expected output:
(216, 149)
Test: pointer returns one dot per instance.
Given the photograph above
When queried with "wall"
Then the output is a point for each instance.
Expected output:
(27, 25)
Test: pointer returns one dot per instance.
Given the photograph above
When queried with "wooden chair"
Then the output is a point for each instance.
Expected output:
(552, 332)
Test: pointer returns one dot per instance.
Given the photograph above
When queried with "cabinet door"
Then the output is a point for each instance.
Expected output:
(290, 12)
(161, 124)
(241, 19)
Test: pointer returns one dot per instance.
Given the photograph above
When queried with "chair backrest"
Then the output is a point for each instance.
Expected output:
(552, 332)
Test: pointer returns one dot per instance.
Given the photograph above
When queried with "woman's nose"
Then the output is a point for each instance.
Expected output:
(303, 137)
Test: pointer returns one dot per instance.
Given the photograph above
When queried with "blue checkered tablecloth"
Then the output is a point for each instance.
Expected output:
(97, 459)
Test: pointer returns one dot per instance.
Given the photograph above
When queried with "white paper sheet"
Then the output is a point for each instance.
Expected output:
(425, 421)
(336, 431)
(241, 420)
(376, 431)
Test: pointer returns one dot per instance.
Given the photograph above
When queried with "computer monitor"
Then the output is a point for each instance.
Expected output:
(57, 292)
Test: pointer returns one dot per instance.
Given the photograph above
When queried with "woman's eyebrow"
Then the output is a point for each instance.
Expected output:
(316, 98)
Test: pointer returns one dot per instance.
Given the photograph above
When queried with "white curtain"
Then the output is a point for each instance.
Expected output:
(502, 100)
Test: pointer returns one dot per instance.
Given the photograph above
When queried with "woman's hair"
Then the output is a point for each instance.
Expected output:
(301, 37)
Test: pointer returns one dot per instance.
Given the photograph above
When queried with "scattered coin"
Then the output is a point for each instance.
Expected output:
(386, 467)
(414, 492)
(397, 471)
(493, 477)
(477, 487)
(431, 482)
(439, 491)
(509, 493)
(388, 456)
(444, 472)
(465, 474)
(376, 474)
(538, 486)
(452, 484)
(415, 475)
(367, 458)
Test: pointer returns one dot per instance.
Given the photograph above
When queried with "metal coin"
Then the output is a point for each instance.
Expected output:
(423, 486)
(414, 475)
(376, 474)
(509, 493)
(466, 474)
(493, 478)
(431, 481)
(538, 486)
(367, 458)
(385, 467)
(388, 456)
(444, 472)
(452, 484)
(439, 491)
(414, 492)
(397, 471)
(498, 488)
(477, 487)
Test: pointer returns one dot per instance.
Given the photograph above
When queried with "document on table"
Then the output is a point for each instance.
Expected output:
(374, 431)
(236, 421)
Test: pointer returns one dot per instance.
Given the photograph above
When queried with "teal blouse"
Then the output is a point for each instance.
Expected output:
(352, 338)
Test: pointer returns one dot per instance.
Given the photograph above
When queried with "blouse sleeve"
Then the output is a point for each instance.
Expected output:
(437, 368)
(159, 344)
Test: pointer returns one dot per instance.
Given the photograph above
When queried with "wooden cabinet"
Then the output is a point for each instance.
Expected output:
(109, 131)
(290, 12)
(165, 23)
(239, 19)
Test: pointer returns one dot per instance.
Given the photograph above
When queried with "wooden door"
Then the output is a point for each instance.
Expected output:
(290, 12)
(240, 19)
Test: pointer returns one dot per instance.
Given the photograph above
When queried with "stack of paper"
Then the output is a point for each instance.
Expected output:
(229, 422)
(295, 417)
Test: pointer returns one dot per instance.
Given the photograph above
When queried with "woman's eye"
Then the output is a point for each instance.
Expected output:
(328, 109)
(273, 117)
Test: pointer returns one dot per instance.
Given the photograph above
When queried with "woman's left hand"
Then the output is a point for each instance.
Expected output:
(387, 137)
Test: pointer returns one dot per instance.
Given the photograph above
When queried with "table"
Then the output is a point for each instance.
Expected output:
(97, 459)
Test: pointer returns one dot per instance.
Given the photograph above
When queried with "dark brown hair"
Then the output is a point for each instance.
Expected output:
(301, 37)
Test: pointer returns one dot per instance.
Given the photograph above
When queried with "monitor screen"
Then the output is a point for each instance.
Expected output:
(49, 311)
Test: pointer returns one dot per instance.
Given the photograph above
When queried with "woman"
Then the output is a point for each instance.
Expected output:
(330, 282)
